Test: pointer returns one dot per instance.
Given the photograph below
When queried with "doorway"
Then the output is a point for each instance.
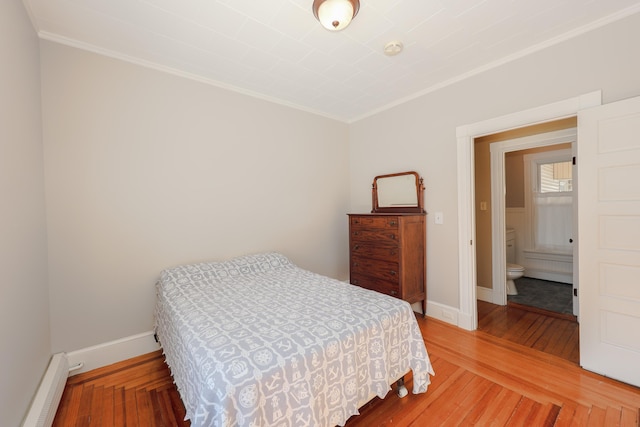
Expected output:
(466, 135)
(504, 207)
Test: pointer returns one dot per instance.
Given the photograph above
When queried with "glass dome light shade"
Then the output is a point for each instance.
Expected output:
(335, 15)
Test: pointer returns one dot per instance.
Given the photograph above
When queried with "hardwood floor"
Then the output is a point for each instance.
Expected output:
(481, 379)
(556, 334)
(135, 392)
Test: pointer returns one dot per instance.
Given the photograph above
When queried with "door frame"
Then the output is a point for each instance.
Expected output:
(466, 134)
(498, 205)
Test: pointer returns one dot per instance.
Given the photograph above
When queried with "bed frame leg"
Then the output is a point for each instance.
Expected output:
(402, 390)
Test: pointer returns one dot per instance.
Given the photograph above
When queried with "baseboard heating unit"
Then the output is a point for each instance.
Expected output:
(47, 398)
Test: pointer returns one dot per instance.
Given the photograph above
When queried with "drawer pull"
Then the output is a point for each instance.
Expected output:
(393, 223)
(393, 237)
(356, 264)
(394, 293)
(356, 247)
(393, 273)
(356, 233)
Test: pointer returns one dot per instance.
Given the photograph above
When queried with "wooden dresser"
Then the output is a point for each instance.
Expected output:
(388, 254)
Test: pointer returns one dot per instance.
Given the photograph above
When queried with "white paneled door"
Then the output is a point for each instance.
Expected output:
(609, 239)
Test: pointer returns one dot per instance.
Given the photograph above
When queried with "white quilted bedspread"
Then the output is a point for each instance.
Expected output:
(258, 341)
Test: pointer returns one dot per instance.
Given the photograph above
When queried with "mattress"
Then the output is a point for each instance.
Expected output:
(259, 341)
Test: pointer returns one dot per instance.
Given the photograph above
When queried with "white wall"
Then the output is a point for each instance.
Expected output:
(146, 170)
(421, 134)
(24, 299)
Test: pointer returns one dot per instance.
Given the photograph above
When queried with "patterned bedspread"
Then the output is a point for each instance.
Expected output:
(258, 341)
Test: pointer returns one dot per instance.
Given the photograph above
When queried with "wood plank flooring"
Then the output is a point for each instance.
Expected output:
(481, 379)
(135, 392)
(556, 334)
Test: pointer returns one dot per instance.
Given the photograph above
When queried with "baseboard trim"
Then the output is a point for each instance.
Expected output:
(549, 275)
(443, 312)
(45, 403)
(100, 355)
(484, 294)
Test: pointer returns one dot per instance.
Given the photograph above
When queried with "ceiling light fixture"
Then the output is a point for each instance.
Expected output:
(335, 15)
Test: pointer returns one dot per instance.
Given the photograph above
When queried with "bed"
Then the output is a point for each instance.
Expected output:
(258, 341)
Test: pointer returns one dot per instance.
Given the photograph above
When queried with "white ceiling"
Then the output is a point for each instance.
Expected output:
(276, 50)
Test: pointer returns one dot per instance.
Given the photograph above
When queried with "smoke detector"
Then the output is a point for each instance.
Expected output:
(393, 48)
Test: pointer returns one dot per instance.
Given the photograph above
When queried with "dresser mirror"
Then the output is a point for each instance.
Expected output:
(398, 193)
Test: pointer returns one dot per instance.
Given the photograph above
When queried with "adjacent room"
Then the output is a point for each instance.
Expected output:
(141, 137)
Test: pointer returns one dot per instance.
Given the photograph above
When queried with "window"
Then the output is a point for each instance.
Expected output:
(551, 200)
(554, 177)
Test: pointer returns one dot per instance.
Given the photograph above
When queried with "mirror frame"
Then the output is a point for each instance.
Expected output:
(419, 188)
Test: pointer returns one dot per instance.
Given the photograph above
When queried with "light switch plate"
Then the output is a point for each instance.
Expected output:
(438, 218)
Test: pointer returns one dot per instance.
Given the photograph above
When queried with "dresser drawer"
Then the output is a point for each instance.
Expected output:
(375, 268)
(375, 284)
(377, 222)
(387, 253)
(377, 236)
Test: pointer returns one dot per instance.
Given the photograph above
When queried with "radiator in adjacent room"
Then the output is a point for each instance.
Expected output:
(45, 403)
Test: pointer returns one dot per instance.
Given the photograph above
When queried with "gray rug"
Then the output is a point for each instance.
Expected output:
(552, 296)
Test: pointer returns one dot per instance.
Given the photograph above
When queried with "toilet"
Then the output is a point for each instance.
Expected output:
(514, 271)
